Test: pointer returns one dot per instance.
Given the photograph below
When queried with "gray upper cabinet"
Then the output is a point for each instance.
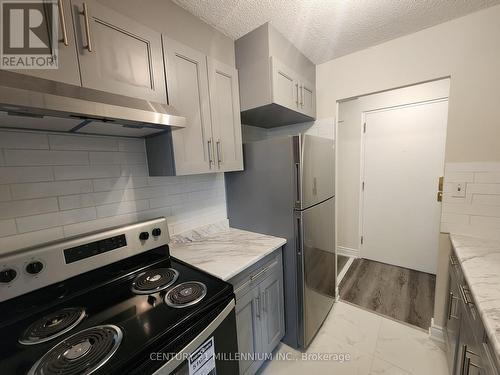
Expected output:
(67, 71)
(225, 109)
(118, 54)
(276, 80)
(187, 83)
(206, 92)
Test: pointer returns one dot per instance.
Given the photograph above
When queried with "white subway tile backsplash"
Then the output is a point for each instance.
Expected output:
(122, 208)
(83, 172)
(58, 185)
(131, 145)
(7, 228)
(45, 157)
(12, 175)
(478, 213)
(83, 143)
(50, 189)
(14, 209)
(71, 202)
(127, 158)
(107, 184)
(26, 140)
(5, 193)
(56, 219)
(487, 177)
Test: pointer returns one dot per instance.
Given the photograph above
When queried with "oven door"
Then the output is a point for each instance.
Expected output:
(211, 352)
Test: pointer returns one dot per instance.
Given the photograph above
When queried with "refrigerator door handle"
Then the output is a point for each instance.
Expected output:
(297, 185)
(298, 237)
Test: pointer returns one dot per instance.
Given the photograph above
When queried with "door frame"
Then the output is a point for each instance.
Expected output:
(363, 154)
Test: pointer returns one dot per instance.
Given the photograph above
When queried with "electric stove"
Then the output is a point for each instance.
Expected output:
(113, 302)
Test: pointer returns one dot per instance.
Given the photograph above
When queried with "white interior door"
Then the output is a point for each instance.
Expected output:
(402, 162)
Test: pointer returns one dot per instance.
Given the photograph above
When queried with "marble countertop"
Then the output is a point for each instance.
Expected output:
(223, 252)
(480, 261)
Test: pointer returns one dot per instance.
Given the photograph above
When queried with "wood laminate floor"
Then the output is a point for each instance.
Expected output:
(403, 294)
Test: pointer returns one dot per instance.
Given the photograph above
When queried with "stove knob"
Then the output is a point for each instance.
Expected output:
(34, 267)
(156, 232)
(7, 275)
(144, 236)
(152, 300)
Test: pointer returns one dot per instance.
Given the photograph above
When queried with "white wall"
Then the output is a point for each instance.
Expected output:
(58, 185)
(467, 49)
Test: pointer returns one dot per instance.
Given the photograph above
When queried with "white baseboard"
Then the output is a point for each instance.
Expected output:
(347, 252)
(342, 273)
(436, 332)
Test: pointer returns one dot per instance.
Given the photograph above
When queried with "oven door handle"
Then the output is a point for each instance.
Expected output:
(175, 362)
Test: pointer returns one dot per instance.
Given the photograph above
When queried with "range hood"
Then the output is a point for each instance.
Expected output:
(27, 101)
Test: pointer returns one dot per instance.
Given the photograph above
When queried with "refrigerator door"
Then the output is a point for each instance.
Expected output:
(315, 170)
(315, 238)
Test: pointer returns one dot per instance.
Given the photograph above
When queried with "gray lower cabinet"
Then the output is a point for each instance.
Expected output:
(469, 351)
(259, 311)
(118, 54)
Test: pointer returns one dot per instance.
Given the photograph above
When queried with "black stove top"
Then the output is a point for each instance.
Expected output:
(107, 296)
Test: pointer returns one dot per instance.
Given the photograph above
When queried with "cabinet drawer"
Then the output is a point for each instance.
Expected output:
(246, 280)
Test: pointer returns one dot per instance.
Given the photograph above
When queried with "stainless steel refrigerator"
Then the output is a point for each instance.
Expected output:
(288, 190)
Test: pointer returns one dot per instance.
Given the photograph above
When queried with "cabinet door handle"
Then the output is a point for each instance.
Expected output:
(62, 18)
(85, 13)
(258, 274)
(297, 92)
(257, 308)
(302, 96)
(219, 153)
(465, 296)
(450, 305)
(453, 260)
(210, 160)
(264, 304)
(463, 360)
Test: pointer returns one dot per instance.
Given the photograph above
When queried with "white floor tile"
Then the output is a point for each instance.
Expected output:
(410, 349)
(370, 345)
(380, 367)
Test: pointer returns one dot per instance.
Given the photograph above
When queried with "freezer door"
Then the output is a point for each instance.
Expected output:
(316, 261)
(315, 169)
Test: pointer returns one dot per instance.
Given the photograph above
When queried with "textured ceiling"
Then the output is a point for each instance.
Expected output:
(325, 29)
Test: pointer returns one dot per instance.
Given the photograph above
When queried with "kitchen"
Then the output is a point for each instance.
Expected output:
(188, 193)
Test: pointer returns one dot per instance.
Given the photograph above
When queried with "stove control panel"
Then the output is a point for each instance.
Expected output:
(26, 270)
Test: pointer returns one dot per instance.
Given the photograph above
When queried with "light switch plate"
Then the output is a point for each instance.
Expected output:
(458, 189)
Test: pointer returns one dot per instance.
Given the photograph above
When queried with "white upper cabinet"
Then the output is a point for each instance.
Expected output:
(225, 109)
(118, 54)
(67, 71)
(187, 82)
(276, 80)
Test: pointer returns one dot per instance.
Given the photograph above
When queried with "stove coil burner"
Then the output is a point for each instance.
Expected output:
(153, 281)
(186, 294)
(52, 326)
(82, 353)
